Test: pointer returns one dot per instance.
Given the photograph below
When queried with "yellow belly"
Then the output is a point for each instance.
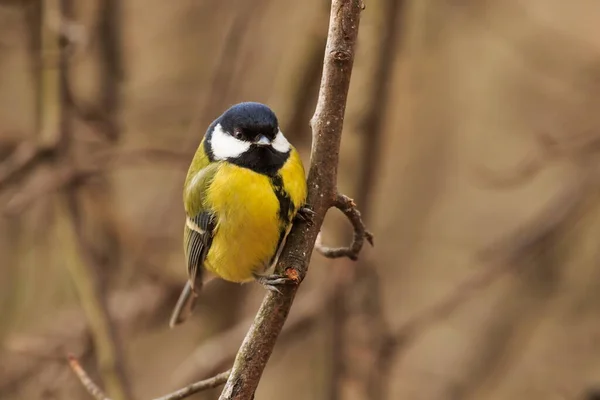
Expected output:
(248, 226)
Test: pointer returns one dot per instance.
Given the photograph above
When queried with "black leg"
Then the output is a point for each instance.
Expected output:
(306, 214)
(271, 282)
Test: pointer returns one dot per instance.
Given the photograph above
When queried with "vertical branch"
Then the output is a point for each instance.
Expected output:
(326, 124)
(371, 127)
(359, 329)
(34, 25)
(301, 78)
(84, 272)
(49, 108)
(111, 60)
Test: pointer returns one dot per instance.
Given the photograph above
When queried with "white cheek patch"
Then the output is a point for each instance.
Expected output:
(225, 146)
(280, 143)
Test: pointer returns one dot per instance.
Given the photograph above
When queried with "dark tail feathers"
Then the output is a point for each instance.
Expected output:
(184, 307)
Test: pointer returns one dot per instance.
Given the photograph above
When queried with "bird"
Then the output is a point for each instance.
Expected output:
(244, 189)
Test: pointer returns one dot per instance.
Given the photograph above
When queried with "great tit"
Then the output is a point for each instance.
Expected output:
(243, 190)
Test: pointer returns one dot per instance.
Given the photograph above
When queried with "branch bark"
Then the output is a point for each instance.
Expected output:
(326, 124)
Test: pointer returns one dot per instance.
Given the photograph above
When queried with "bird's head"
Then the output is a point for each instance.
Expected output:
(248, 135)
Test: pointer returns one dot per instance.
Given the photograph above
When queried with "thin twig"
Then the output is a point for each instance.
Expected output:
(85, 379)
(327, 126)
(187, 391)
(346, 205)
(205, 384)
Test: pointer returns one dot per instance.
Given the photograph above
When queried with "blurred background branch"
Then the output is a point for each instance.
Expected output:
(359, 327)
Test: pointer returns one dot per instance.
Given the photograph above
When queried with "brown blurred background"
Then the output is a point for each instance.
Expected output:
(469, 143)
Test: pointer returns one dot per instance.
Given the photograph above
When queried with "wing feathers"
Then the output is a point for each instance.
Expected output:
(198, 238)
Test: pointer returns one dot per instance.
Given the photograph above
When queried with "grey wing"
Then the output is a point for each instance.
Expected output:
(198, 236)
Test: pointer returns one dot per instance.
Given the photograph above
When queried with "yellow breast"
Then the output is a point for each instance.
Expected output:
(248, 227)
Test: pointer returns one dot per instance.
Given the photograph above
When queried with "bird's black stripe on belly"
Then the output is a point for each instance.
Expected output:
(285, 202)
(286, 207)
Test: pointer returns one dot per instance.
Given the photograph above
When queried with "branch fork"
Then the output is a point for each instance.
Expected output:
(346, 205)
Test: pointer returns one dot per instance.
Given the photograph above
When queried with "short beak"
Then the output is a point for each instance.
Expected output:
(262, 141)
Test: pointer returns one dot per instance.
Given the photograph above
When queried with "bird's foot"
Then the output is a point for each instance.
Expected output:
(306, 214)
(273, 282)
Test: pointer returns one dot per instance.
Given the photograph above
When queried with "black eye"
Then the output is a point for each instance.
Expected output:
(238, 134)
